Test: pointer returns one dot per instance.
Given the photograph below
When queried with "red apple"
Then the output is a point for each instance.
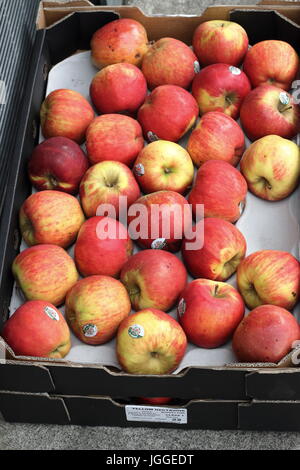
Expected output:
(159, 220)
(50, 217)
(273, 62)
(150, 342)
(216, 137)
(221, 188)
(118, 88)
(269, 277)
(154, 400)
(105, 183)
(114, 137)
(147, 275)
(123, 40)
(95, 306)
(37, 329)
(221, 87)
(57, 163)
(265, 335)
(224, 247)
(271, 166)
(168, 113)
(66, 113)
(270, 110)
(103, 246)
(164, 165)
(45, 272)
(220, 41)
(209, 312)
(169, 62)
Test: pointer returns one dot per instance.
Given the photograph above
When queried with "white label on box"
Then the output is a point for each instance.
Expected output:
(156, 414)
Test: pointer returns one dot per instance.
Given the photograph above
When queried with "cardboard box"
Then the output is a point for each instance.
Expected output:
(61, 32)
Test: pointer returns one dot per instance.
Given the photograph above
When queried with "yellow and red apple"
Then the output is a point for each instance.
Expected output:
(150, 342)
(45, 272)
(147, 275)
(164, 165)
(95, 306)
(37, 329)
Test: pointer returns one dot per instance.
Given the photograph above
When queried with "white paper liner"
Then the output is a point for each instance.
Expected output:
(265, 225)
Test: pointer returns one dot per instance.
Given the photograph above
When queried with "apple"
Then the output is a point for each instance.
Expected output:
(150, 342)
(104, 183)
(265, 335)
(271, 166)
(221, 87)
(114, 137)
(159, 220)
(45, 272)
(164, 165)
(218, 41)
(273, 62)
(123, 40)
(169, 62)
(57, 163)
(269, 110)
(269, 277)
(221, 189)
(37, 329)
(50, 217)
(216, 137)
(118, 88)
(168, 113)
(147, 276)
(154, 400)
(209, 312)
(224, 247)
(95, 306)
(102, 248)
(66, 113)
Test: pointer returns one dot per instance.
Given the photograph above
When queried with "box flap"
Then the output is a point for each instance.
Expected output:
(25, 377)
(276, 384)
(37, 408)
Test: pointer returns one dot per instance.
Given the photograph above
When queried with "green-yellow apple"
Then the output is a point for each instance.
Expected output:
(123, 40)
(95, 306)
(221, 188)
(45, 272)
(209, 312)
(164, 165)
(220, 41)
(271, 61)
(271, 166)
(147, 275)
(216, 137)
(118, 88)
(66, 113)
(269, 110)
(269, 277)
(222, 88)
(114, 137)
(224, 247)
(169, 62)
(57, 163)
(50, 217)
(104, 183)
(159, 220)
(267, 334)
(150, 342)
(37, 329)
(168, 113)
(102, 248)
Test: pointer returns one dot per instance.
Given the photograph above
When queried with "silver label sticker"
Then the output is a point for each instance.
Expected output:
(136, 331)
(181, 307)
(51, 313)
(234, 70)
(90, 330)
(159, 244)
(139, 169)
(152, 137)
(284, 98)
(196, 66)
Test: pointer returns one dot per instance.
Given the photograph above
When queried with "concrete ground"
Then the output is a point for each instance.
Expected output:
(37, 437)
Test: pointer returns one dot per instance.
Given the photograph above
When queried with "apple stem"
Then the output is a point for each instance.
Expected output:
(283, 107)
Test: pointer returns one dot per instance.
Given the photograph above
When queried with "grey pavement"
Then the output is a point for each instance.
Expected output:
(38, 437)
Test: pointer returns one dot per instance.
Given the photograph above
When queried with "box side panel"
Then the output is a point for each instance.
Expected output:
(269, 416)
(23, 377)
(105, 412)
(28, 408)
(276, 385)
